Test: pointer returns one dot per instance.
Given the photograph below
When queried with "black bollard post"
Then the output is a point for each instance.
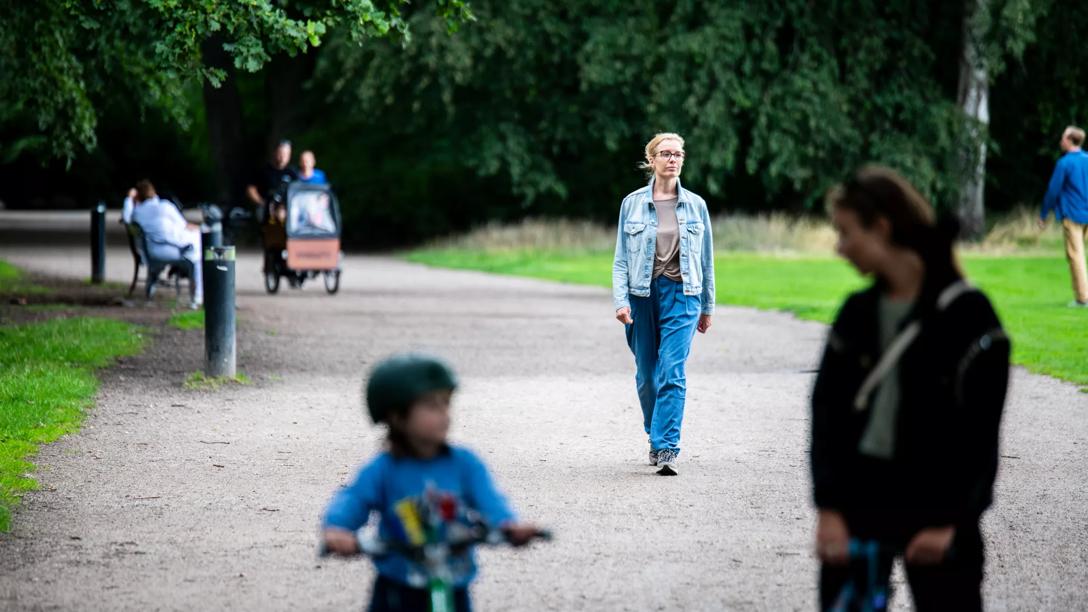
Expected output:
(98, 243)
(211, 228)
(211, 236)
(219, 328)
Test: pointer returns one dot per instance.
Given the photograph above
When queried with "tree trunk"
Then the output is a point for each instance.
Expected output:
(973, 98)
(223, 113)
(284, 79)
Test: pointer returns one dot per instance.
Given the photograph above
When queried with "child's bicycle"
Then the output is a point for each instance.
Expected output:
(438, 537)
(868, 589)
(870, 571)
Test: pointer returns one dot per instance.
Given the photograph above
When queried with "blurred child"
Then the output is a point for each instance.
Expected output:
(411, 395)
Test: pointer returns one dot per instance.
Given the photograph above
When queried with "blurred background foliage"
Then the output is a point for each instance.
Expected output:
(435, 117)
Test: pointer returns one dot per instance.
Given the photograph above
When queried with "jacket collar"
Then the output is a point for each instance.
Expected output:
(947, 293)
(681, 194)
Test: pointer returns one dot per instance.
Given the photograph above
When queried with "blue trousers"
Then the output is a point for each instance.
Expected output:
(660, 338)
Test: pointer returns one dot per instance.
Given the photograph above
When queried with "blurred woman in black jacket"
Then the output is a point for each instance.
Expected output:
(907, 404)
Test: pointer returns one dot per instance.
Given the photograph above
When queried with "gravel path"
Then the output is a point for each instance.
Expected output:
(178, 499)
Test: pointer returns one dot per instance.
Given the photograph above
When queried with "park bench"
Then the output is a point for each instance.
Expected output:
(174, 268)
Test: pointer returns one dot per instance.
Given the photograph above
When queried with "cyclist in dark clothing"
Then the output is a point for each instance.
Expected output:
(265, 182)
(907, 404)
(266, 193)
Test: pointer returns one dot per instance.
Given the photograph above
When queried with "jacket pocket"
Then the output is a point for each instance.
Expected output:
(695, 237)
(635, 235)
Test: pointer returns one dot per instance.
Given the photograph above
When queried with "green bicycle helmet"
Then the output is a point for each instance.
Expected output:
(397, 382)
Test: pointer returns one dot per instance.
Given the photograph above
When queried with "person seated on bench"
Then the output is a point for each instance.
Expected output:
(126, 208)
(130, 203)
(169, 235)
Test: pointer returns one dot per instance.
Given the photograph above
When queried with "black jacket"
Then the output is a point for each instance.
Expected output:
(952, 379)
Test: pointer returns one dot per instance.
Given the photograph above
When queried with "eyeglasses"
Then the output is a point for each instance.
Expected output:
(668, 155)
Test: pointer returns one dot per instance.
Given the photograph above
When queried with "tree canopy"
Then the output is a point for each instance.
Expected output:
(541, 107)
(63, 59)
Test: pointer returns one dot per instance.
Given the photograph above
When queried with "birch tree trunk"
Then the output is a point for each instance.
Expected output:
(974, 99)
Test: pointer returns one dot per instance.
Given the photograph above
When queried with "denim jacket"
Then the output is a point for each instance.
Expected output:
(636, 246)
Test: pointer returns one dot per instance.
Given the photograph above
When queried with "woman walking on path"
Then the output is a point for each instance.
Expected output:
(663, 290)
(907, 404)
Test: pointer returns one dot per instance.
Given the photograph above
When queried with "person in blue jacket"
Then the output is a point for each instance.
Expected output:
(411, 395)
(1067, 196)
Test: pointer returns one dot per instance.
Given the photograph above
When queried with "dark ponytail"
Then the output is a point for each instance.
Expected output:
(939, 257)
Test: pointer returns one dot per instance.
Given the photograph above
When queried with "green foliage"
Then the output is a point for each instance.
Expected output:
(1038, 96)
(778, 100)
(539, 107)
(63, 61)
(46, 382)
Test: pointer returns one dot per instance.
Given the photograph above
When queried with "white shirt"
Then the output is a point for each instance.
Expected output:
(161, 222)
(126, 210)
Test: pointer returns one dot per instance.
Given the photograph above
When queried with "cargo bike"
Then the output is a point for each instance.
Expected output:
(301, 237)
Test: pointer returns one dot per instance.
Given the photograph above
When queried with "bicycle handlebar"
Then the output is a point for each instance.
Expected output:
(374, 547)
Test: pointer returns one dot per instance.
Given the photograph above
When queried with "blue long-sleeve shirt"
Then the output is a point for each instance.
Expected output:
(317, 178)
(388, 480)
(1067, 194)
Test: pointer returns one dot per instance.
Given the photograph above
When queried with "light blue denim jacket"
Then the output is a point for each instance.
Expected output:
(636, 245)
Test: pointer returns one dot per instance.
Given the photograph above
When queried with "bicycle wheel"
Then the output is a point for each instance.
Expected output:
(332, 281)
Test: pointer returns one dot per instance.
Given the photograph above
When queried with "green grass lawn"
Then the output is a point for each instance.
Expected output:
(46, 381)
(187, 319)
(1030, 293)
(12, 280)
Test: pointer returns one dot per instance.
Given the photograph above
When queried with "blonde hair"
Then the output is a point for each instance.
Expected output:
(651, 149)
(1076, 135)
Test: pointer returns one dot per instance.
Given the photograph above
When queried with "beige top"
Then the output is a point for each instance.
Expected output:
(667, 258)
